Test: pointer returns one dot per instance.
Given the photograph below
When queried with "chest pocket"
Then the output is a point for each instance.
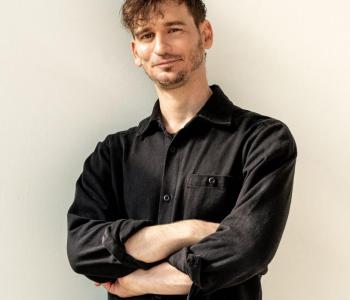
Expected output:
(208, 196)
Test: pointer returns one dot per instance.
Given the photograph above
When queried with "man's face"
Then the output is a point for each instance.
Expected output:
(170, 49)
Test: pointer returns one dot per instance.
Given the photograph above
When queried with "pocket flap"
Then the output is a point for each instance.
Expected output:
(209, 180)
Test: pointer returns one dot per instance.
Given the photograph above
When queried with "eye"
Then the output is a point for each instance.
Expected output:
(146, 36)
(175, 29)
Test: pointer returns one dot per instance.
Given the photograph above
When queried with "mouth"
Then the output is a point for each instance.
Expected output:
(168, 62)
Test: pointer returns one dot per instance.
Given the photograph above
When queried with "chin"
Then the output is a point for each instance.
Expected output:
(171, 85)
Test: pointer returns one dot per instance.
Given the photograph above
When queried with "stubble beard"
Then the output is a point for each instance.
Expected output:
(196, 58)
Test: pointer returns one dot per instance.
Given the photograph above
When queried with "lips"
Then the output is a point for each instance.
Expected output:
(165, 62)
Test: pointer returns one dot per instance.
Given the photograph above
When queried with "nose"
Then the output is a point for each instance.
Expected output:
(161, 45)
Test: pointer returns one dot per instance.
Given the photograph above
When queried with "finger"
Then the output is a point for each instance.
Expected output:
(106, 285)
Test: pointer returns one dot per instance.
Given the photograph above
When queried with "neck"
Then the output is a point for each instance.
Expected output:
(179, 105)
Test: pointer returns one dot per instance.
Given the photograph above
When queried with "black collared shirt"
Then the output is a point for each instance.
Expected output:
(226, 165)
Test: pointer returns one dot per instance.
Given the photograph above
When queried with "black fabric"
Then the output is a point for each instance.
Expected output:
(226, 165)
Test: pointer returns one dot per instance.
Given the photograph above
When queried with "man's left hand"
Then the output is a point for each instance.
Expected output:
(127, 286)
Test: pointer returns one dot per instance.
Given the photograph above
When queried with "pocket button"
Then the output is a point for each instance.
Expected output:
(211, 180)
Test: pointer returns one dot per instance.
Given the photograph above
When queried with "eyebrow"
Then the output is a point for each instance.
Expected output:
(167, 24)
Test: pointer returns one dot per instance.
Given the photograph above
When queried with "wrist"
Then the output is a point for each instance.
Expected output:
(165, 279)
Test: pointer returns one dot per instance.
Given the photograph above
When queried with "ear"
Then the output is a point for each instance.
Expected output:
(137, 59)
(206, 34)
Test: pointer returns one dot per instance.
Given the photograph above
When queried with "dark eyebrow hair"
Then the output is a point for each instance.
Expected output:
(167, 24)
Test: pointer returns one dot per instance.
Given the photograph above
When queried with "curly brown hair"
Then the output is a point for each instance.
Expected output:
(137, 12)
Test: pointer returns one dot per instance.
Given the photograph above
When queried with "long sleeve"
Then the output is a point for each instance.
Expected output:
(247, 238)
(96, 236)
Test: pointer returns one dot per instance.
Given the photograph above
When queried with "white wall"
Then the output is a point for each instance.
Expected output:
(67, 80)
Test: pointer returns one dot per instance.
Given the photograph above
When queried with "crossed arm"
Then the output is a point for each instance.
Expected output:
(153, 243)
(243, 247)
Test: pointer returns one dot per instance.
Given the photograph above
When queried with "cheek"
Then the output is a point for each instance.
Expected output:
(144, 52)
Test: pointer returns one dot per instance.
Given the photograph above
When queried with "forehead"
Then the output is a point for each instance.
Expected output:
(167, 14)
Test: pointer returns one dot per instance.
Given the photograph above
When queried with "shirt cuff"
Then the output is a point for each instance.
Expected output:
(116, 234)
(190, 264)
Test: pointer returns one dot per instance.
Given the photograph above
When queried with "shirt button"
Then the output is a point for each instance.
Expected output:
(172, 149)
(166, 197)
(157, 297)
(211, 180)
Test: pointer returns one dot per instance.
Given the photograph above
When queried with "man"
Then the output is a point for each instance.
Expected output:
(192, 202)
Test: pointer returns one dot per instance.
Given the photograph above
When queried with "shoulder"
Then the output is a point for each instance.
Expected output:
(122, 137)
(252, 122)
(245, 119)
(263, 131)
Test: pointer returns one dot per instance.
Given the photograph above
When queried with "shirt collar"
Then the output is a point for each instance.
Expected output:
(217, 110)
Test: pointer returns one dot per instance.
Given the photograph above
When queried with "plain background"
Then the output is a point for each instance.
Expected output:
(67, 79)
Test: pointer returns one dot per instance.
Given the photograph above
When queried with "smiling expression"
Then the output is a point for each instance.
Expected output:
(170, 48)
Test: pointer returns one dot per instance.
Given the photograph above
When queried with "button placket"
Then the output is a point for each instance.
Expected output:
(166, 197)
(169, 179)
